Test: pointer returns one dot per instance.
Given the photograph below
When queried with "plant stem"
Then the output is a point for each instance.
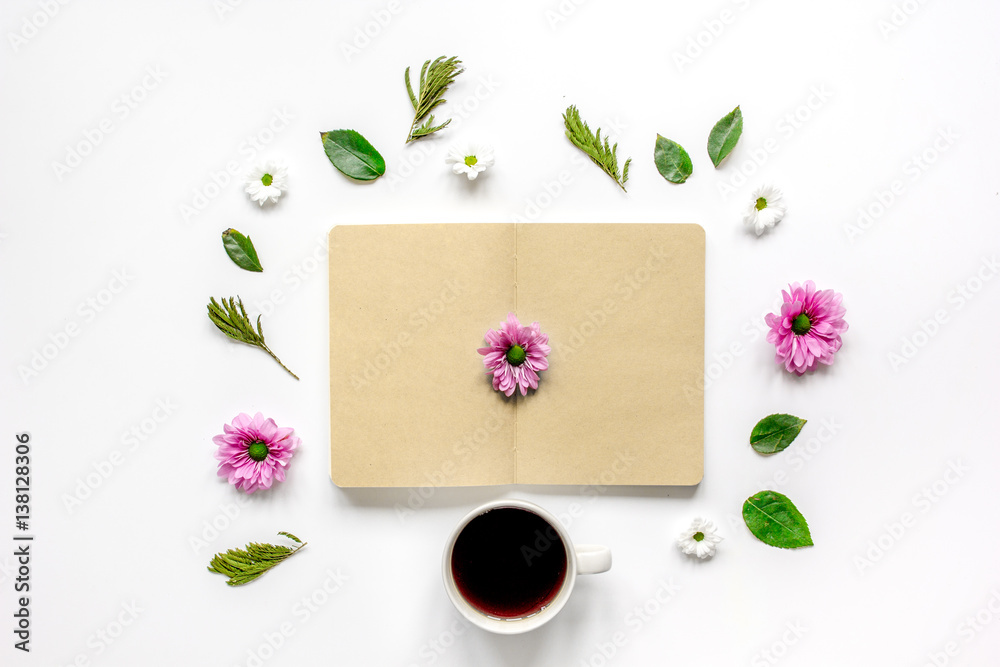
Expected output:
(273, 356)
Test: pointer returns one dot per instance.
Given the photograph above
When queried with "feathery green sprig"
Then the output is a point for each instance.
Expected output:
(244, 565)
(604, 155)
(236, 324)
(435, 77)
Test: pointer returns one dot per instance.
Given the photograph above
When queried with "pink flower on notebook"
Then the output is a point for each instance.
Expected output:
(253, 453)
(514, 355)
(807, 330)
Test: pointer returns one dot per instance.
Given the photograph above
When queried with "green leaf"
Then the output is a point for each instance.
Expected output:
(603, 154)
(672, 161)
(353, 155)
(240, 249)
(774, 433)
(244, 565)
(774, 520)
(230, 317)
(723, 137)
(435, 77)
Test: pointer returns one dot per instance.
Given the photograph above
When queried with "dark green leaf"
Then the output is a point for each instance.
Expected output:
(672, 161)
(774, 433)
(353, 155)
(240, 249)
(724, 136)
(774, 520)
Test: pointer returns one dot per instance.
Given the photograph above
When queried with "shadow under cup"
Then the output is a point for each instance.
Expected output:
(509, 563)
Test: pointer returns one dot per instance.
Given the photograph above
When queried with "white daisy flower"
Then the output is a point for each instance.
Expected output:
(699, 540)
(266, 181)
(470, 160)
(766, 209)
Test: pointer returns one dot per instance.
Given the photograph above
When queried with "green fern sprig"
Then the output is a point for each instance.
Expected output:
(435, 77)
(603, 154)
(244, 565)
(235, 323)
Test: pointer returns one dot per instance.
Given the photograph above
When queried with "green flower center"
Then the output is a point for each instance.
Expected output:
(516, 355)
(266, 179)
(698, 537)
(801, 324)
(257, 450)
(470, 160)
(761, 203)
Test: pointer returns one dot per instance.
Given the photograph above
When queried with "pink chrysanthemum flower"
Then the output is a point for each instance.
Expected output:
(253, 453)
(807, 331)
(515, 355)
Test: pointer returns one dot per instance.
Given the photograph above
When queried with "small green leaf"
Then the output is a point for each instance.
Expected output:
(435, 77)
(724, 136)
(240, 249)
(672, 161)
(244, 565)
(774, 520)
(230, 317)
(604, 154)
(353, 155)
(774, 433)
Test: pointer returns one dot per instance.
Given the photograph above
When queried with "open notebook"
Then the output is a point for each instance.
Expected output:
(412, 405)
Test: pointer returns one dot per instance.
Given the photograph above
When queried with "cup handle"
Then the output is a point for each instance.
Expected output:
(592, 558)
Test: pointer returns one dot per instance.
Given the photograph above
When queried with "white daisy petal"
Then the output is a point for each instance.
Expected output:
(700, 539)
(480, 155)
(485, 155)
(254, 185)
(765, 209)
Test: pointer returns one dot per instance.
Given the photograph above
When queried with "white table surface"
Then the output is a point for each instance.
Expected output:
(838, 101)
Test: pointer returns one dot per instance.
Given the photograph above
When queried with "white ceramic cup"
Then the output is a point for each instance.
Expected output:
(581, 559)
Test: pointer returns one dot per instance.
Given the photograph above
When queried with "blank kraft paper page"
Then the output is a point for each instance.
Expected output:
(411, 403)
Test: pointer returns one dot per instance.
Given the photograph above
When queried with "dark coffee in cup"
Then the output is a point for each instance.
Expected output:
(509, 563)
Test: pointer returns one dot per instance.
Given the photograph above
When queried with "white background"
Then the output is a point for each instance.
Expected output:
(866, 100)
